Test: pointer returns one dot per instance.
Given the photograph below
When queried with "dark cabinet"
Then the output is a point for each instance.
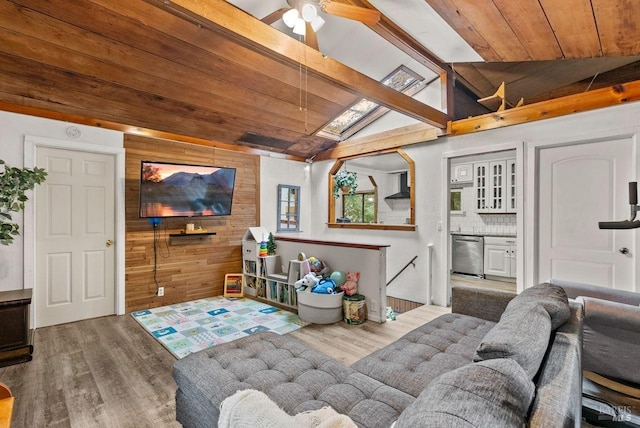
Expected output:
(16, 345)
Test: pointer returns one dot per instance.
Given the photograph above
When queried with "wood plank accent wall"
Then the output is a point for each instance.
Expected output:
(402, 305)
(194, 269)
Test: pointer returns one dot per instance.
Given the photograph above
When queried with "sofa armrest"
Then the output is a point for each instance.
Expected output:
(598, 312)
(559, 387)
(485, 304)
(611, 339)
(576, 289)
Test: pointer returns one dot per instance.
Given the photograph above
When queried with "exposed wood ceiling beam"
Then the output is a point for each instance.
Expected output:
(395, 35)
(605, 97)
(274, 16)
(626, 73)
(394, 138)
(220, 16)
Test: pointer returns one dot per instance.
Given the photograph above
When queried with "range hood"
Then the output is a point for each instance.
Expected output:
(404, 188)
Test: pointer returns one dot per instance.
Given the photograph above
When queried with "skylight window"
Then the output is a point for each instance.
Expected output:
(362, 113)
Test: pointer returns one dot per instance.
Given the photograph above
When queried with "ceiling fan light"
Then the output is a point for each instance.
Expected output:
(290, 17)
(300, 27)
(309, 12)
(317, 23)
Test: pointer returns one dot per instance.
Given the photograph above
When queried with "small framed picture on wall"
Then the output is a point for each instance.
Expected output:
(233, 285)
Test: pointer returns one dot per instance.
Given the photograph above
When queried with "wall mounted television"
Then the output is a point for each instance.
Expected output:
(180, 190)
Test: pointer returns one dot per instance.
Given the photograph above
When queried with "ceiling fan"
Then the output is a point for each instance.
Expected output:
(302, 16)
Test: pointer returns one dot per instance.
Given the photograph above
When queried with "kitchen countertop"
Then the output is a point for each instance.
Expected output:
(497, 235)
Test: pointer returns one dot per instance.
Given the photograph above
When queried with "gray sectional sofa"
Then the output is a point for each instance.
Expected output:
(496, 360)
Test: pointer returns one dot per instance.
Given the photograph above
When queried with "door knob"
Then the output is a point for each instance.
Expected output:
(624, 250)
(110, 242)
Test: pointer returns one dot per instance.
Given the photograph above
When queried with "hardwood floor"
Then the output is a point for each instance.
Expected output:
(109, 372)
(104, 372)
(471, 281)
(349, 343)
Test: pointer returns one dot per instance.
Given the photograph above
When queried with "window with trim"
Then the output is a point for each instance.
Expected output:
(362, 113)
(360, 207)
(288, 208)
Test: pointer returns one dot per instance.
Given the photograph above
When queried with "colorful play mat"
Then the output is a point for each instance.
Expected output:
(189, 327)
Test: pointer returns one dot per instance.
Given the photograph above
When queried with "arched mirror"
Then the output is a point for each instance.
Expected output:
(373, 192)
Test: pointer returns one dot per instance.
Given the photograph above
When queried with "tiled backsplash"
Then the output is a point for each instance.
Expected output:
(472, 222)
(394, 211)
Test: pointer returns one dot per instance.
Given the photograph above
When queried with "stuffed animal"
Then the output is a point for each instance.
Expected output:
(324, 286)
(318, 267)
(350, 287)
(308, 281)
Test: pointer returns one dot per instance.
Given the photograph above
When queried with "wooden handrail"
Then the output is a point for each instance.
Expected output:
(333, 243)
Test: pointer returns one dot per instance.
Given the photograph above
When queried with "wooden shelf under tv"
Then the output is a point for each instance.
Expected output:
(185, 238)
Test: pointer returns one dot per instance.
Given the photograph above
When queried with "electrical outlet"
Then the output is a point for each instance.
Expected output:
(160, 291)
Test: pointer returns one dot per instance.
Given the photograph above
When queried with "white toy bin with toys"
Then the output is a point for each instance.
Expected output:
(319, 308)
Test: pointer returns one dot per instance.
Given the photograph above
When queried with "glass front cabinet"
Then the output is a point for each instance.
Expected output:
(495, 186)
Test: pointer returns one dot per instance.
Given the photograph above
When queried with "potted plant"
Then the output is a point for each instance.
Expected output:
(14, 182)
(345, 181)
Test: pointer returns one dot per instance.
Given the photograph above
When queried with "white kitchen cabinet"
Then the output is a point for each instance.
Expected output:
(500, 256)
(495, 186)
(511, 185)
(462, 173)
(480, 185)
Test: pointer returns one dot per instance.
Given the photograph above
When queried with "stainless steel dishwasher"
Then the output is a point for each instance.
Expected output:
(468, 255)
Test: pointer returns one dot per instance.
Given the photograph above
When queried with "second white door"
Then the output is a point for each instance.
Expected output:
(580, 185)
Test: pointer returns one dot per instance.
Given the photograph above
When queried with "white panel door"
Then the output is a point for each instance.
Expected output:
(580, 185)
(75, 221)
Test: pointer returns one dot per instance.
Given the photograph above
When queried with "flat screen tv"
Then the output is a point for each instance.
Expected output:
(179, 190)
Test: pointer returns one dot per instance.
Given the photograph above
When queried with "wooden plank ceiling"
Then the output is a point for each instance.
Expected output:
(537, 30)
(137, 64)
(207, 71)
(544, 49)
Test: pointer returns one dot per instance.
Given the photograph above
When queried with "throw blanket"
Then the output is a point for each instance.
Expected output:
(250, 408)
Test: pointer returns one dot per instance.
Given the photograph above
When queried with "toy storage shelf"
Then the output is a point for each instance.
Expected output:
(264, 278)
(263, 282)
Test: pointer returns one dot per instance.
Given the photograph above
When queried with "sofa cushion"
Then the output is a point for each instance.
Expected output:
(296, 377)
(522, 334)
(494, 393)
(552, 297)
(418, 357)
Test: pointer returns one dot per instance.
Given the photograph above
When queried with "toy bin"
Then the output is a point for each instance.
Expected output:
(319, 308)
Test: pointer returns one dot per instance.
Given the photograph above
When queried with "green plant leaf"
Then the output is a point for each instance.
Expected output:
(14, 182)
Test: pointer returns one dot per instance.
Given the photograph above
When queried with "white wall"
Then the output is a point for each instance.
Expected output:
(431, 184)
(404, 245)
(275, 171)
(13, 128)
